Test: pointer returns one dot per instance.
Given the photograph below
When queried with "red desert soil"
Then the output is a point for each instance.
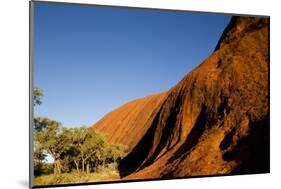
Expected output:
(214, 121)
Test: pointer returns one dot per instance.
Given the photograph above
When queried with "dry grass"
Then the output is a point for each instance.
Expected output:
(74, 178)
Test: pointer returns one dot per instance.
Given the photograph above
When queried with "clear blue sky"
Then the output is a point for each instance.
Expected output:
(89, 60)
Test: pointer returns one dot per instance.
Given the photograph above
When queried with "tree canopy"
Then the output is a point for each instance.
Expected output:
(37, 95)
(81, 148)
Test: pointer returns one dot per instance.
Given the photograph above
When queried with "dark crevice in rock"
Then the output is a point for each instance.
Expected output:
(136, 157)
(227, 139)
(167, 130)
(193, 136)
(252, 151)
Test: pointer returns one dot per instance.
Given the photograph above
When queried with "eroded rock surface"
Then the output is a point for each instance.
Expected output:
(214, 121)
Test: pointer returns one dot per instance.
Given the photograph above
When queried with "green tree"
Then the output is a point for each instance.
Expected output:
(37, 95)
(38, 157)
(54, 141)
(77, 136)
(41, 123)
(92, 149)
(38, 124)
(118, 152)
(114, 153)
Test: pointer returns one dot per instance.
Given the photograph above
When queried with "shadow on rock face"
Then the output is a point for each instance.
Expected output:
(253, 151)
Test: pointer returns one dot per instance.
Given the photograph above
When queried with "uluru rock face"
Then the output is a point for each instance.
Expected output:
(128, 123)
(214, 121)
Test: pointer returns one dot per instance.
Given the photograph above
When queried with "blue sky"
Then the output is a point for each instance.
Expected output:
(89, 60)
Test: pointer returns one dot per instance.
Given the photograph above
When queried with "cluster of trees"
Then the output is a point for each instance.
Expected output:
(83, 149)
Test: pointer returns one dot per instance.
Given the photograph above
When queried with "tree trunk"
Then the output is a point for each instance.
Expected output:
(94, 166)
(55, 168)
(83, 165)
(103, 164)
(59, 167)
(88, 168)
(77, 165)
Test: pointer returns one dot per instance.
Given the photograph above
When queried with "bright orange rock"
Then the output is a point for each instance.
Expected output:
(214, 121)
